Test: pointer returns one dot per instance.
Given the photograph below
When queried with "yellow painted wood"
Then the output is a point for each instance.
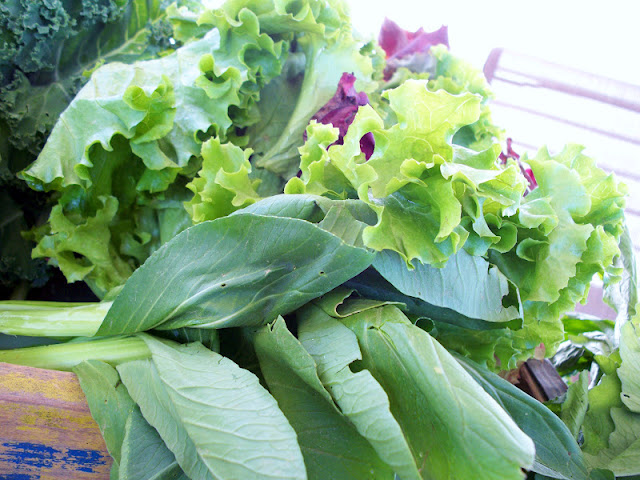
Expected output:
(46, 429)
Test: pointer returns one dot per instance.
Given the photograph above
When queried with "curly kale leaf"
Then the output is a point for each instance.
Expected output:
(46, 48)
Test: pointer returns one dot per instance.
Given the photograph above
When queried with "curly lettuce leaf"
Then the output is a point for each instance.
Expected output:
(455, 75)
(323, 50)
(417, 180)
(134, 133)
(222, 185)
(556, 259)
(612, 423)
(157, 105)
(48, 46)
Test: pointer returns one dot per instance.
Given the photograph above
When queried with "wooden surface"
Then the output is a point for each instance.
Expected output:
(540, 379)
(46, 429)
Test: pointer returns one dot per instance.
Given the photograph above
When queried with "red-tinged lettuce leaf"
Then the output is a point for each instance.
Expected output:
(511, 154)
(398, 43)
(409, 49)
(318, 58)
(417, 179)
(341, 110)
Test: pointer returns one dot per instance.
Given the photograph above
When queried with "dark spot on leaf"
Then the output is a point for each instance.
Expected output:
(223, 285)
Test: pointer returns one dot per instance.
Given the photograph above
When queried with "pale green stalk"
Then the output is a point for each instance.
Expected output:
(51, 319)
(65, 356)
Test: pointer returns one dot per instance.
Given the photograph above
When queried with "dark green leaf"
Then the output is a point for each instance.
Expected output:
(331, 446)
(109, 402)
(235, 271)
(469, 434)
(360, 398)
(557, 452)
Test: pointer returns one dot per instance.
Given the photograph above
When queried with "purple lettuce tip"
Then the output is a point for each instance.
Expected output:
(341, 110)
(367, 145)
(525, 169)
(399, 44)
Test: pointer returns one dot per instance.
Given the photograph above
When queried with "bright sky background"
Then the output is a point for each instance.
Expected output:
(601, 37)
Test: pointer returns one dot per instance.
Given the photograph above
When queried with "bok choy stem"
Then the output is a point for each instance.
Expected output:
(64, 356)
(51, 319)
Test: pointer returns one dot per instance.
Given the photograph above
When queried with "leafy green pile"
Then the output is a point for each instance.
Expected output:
(287, 298)
(47, 51)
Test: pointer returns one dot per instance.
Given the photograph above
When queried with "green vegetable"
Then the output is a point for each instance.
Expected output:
(322, 428)
(110, 403)
(47, 52)
(220, 270)
(483, 295)
(282, 298)
(66, 356)
(358, 395)
(144, 454)
(51, 319)
(557, 452)
(217, 419)
(419, 375)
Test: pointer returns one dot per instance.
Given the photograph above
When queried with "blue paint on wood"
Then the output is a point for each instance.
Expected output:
(45, 457)
(25, 453)
(84, 460)
(19, 476)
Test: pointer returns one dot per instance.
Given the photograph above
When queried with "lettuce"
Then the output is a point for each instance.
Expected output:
(133, 143)
(47, 50)
(417, 179)
(344, 249)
